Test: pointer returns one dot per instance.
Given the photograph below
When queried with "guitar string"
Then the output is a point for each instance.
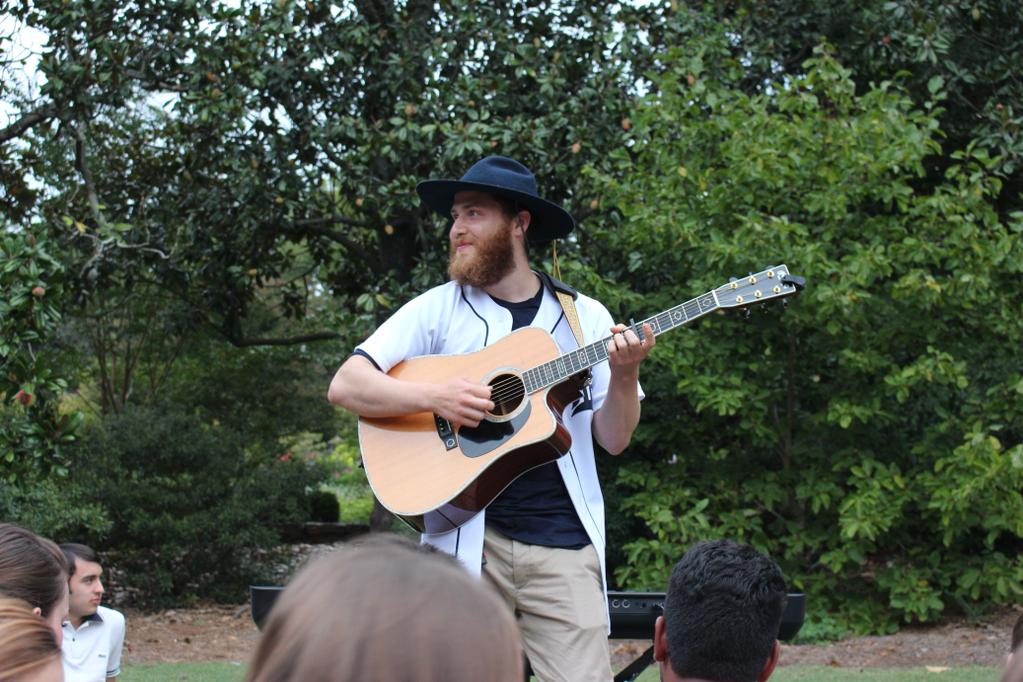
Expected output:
(513, 388)
(507, 389)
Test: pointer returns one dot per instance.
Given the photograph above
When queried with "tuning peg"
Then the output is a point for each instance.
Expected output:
(733, 279)
(747, 313)
(794, 280)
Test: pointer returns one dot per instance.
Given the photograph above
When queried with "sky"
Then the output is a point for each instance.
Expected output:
(21, 47)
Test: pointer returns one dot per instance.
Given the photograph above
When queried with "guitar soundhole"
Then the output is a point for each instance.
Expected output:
(507, 392)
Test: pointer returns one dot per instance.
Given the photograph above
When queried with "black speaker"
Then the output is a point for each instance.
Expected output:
(262, 598)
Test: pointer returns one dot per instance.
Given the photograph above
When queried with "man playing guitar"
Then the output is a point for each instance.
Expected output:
(541, 541)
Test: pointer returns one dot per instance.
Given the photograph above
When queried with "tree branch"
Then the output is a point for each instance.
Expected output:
(318, 227)
(148, 83)
(283, 341)
(27, 121)
(326, 220)
(82, 165)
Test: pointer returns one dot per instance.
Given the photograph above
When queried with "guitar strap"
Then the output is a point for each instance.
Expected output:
(567, 299)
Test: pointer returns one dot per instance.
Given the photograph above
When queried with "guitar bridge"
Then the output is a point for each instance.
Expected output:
(445, 432)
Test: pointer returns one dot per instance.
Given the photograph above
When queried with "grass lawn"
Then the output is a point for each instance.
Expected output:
(813, 673)
(233, 672)
(825, 674)
(176, 672)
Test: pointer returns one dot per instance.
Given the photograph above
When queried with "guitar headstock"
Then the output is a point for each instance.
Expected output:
(775, 282)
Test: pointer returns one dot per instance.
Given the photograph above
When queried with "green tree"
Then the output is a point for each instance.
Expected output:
(974, 47)
(243, 172)
(34, 433)
(291, 134)
(885, 404)
(252, 157)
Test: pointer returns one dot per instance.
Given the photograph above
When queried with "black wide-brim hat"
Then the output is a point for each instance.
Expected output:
(504, 177)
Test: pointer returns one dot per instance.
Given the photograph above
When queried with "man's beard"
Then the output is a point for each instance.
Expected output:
(492, 260)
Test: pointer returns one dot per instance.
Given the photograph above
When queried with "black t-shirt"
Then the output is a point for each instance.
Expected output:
(536, 508)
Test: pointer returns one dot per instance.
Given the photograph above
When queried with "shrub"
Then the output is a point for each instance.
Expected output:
(54, 508)
(348, 478)
(323, 507)
(190, 510)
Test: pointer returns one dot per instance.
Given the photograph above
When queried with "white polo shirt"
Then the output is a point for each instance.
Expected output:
(92, 653)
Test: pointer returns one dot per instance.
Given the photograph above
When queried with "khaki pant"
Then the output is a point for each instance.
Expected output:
(558, 600)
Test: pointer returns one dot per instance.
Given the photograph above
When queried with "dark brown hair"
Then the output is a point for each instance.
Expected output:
(72, 551)
(26, 641)
(32, 568)
(381, 609)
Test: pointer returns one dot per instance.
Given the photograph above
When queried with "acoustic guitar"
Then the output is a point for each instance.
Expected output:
(435, 476)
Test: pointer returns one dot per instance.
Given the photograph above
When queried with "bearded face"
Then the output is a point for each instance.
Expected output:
(487, 262)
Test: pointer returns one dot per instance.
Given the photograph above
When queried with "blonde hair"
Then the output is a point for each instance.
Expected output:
(26, 642)
(384, 609)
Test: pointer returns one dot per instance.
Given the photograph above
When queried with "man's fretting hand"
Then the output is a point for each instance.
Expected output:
(625, 351)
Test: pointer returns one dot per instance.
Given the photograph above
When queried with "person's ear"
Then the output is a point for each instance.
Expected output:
(522, 219)
(38, 611)
(772, 661)
(660, 640)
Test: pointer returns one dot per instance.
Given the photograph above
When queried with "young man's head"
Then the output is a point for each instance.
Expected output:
(721, 615)
(488, 234)
(509, 188)
(84, 582)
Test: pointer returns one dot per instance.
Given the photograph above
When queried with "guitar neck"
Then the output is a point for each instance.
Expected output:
(557, 370)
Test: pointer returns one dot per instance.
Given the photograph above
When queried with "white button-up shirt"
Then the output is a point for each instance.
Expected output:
(451, 319)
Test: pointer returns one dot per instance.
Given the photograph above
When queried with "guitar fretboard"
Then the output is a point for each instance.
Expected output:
(557, 370)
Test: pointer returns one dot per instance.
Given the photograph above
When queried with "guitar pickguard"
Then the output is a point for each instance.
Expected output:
(488, 436)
